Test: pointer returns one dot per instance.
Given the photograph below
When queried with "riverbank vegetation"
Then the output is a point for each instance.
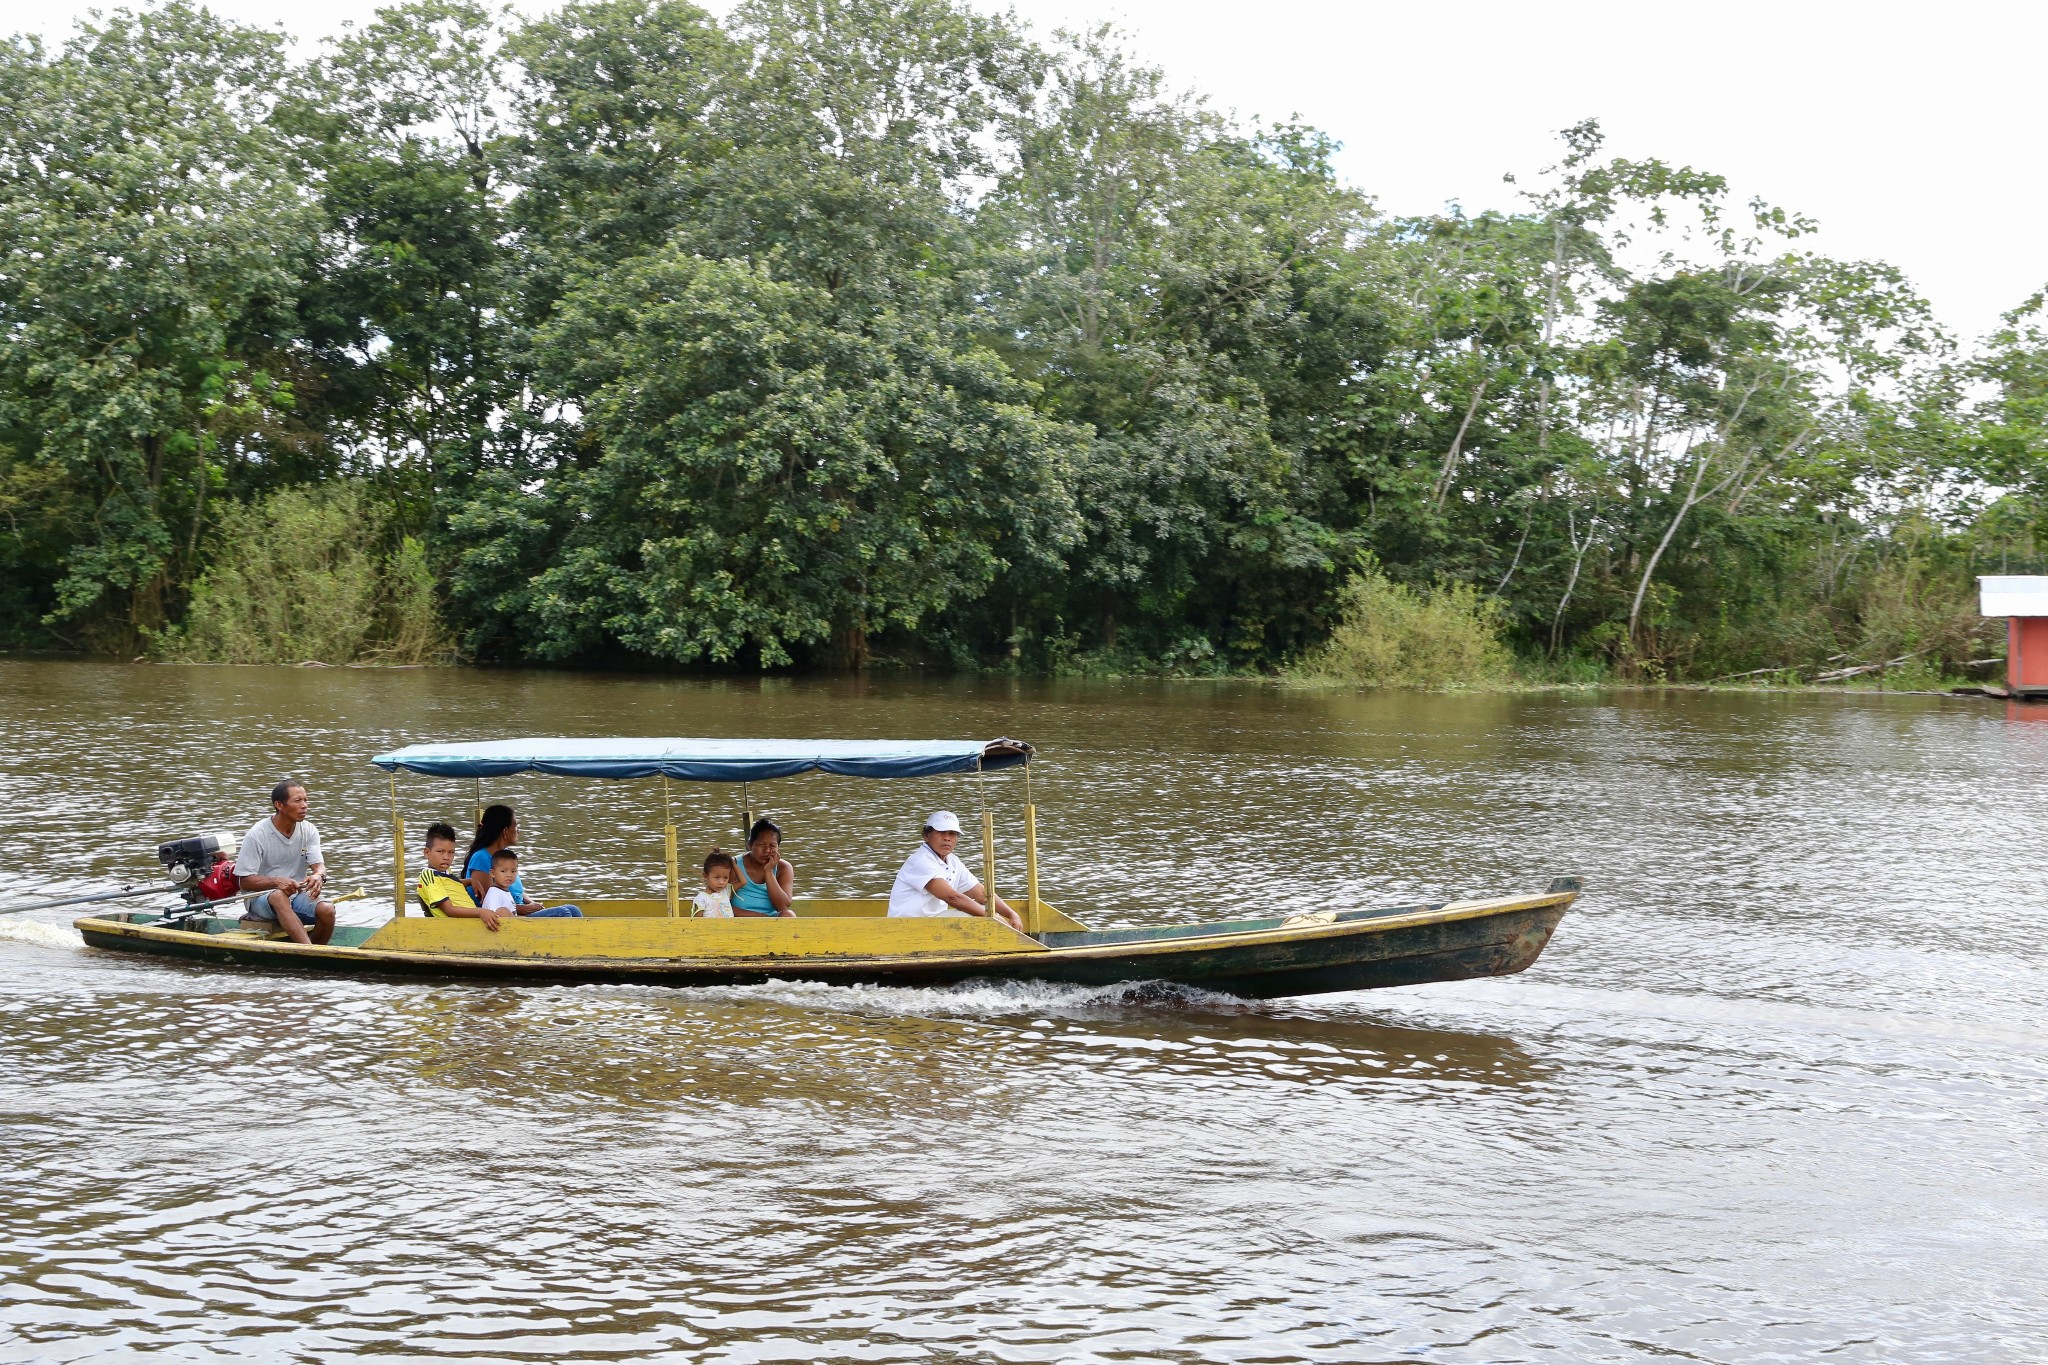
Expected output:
(835, 335)
(314, 574)
(1389, 634)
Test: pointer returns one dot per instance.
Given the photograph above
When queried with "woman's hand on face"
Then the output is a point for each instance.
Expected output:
(777, 876)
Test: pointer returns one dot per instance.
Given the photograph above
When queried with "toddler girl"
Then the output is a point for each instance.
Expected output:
(715, 900)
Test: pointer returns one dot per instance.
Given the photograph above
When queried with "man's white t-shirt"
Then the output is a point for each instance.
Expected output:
(908, 896)
(266, 853)
(498, 898)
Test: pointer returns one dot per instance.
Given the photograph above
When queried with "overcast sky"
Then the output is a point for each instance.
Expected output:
(1911, 132)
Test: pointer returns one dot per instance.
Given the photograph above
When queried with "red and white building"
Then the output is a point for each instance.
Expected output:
(2022, 599)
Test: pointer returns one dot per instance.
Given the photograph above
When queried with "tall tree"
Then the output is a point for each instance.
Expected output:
(1187, 292)
(403, 126)
(775, 481)
(146, 279)
(785, 434)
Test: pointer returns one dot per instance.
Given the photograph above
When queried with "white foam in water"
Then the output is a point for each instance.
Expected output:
(975, 999)
(16, 930)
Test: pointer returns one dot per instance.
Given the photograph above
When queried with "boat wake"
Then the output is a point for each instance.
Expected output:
(969, 999)
(38, 934)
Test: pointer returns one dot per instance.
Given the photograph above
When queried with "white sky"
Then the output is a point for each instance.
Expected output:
(1911, 132)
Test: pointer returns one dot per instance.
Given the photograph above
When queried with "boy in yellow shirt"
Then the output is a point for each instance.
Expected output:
(439, 891)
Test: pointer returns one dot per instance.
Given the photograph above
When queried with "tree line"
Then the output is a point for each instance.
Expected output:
(846, 331)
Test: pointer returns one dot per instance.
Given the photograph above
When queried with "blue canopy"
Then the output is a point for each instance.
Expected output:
(708, 760)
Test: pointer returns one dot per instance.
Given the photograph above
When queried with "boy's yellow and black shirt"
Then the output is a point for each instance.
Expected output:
(435, 887)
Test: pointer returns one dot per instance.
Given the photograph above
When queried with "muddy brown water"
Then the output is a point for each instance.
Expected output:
(1777, 1091)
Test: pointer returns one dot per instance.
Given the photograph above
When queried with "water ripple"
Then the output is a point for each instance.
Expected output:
(1773, 1094)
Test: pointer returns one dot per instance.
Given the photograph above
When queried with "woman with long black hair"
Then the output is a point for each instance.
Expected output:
(767, 881)
(499, 830)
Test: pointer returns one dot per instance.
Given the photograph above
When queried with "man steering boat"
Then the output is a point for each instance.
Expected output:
(280, 859)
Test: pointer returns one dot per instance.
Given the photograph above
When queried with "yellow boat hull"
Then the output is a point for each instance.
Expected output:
(851, 942)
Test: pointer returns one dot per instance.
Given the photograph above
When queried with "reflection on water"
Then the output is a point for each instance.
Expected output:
(1775, 1091)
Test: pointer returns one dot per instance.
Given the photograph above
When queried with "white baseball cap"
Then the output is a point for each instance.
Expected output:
(943, 822)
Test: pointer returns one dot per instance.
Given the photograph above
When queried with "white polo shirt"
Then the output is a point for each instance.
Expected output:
(908, 896)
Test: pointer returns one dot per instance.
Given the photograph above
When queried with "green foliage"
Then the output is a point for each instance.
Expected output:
(771, 477)
(310, 574)
(2006, 440)
(401, 129)
(1915, 606)
(811, 333)
(1391, 635)
(40, 508)
(152, 246)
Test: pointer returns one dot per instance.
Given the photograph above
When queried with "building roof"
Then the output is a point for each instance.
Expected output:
(2013, 594)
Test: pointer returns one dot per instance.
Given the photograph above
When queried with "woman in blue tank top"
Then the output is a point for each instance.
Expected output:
(766, 882)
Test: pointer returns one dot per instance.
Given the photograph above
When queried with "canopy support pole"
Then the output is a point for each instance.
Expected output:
(1034, 917)
(397, 853)
(479, 804)
(668, 839)
(988, 834)
(746, 814)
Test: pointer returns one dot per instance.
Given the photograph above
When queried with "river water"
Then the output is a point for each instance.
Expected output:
(1776, 1092)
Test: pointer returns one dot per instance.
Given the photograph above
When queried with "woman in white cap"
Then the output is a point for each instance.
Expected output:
(933, 882)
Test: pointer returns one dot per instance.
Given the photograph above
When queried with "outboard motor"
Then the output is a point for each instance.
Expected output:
(202, 866)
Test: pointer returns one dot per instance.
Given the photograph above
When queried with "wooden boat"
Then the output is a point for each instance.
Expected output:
(851, 941)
